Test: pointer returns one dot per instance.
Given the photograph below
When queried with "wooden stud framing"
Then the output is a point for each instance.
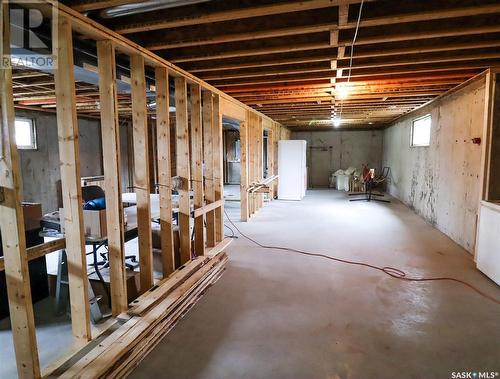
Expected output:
(251, 159)
(183, 169)
(110, 130)
(197, 166)
(218, 168)
(164, 169)
(15, 262)
(208, 121)
(244, 211)
(260, 159)
(141, 170)
(69, 156)
(12, 225)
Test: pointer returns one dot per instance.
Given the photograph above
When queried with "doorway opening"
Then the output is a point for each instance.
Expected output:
(232, 166)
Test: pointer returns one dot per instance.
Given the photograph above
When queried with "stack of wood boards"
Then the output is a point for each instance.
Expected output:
(148, 320)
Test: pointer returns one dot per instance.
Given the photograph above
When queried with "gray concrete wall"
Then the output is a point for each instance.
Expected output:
(441, 182)
(40, 168)
(331, 150)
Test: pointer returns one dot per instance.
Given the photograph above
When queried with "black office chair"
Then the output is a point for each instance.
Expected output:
(91, 193)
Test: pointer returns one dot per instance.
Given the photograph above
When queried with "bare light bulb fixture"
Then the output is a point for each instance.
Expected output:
(342, 92)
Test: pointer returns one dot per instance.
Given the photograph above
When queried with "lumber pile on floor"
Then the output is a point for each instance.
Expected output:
(147, 321)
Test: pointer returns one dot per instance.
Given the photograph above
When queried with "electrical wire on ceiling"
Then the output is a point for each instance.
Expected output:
(393, 272)
(352, 52)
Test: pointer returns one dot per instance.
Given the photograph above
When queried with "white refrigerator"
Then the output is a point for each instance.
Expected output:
(292, 180)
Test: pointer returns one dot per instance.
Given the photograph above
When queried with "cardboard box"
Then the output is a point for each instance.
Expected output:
(94, 223)
(32, 215)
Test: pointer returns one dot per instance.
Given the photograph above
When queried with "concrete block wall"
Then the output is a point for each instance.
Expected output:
(441, 182)
(331, 150)
(40, 168)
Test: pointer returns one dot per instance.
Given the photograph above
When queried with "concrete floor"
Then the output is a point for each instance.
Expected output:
(280, 315)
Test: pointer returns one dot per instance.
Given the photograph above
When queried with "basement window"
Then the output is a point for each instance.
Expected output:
(421, 131)
(25, 133)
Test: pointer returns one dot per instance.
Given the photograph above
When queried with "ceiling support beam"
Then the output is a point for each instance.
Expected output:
(234, 14)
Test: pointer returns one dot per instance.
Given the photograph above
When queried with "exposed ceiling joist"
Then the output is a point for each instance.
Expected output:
(234, 14)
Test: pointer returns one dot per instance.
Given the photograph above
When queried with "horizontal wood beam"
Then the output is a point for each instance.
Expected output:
(374, 74)
(221, 66)
(287, 100)
(41, 250)
(207, 208)
(250, 90)
(248, 36)
(355, 65)
(233, 14)
(412, 36)
(250, 52)
(426, 16)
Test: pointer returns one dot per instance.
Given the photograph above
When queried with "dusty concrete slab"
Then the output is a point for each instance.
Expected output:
(280, 315)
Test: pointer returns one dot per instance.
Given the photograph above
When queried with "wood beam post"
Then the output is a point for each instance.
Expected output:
(244, 171)
(260, 159)
(164, 169)
(69, 156)
(197, 159)
(209, 164)
(183, 169)
(218, 168)
(110, 131)
(12, 224)
(251, 159)
(141, 170)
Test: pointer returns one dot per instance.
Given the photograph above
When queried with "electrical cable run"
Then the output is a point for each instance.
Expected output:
(393, 272)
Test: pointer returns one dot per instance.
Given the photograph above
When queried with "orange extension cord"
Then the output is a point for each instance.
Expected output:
(388, 270)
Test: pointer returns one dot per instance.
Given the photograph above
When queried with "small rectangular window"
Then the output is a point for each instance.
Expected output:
(421, 131)
(25, 134)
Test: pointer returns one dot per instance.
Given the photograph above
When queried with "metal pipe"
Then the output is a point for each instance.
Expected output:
(145, 6)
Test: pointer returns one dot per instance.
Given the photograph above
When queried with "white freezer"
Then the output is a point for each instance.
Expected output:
(292, 182)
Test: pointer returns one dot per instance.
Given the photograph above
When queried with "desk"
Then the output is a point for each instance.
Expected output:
(131, 198)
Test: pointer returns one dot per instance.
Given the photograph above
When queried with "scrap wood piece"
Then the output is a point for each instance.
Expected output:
(204, 269)
(142, 332)
(221, 246)
(127, 364)
(166, 286)
(102, 363)
(88, 358)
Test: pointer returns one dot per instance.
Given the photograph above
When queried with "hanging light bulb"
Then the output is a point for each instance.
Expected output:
(336, 121)
(342, 91)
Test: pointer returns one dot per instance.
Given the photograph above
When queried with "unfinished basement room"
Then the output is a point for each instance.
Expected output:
(250, 189)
